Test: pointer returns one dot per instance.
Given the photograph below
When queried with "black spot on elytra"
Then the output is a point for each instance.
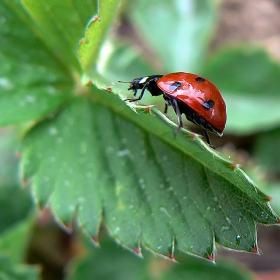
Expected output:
(174, 85)
(200, 79)
(208, 104)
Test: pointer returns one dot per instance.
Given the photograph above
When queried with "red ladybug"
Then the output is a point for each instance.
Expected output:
(188, 94)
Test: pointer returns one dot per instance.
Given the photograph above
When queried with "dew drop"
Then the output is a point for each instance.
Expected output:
(225, 228)
(5, 83)
(52, 131)
(29, 99)
(163, 210)
(141, 183)
(66, 183)
(159, 247)
(238, 239)
(123, 153)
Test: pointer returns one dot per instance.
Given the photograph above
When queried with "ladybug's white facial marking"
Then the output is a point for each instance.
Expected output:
(143, 80)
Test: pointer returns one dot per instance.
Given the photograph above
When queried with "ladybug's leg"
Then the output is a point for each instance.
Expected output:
(207, 137)
(166, 108)
(178, 113)
(140, 96)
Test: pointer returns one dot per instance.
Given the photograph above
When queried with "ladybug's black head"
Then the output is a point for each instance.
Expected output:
(138, 83)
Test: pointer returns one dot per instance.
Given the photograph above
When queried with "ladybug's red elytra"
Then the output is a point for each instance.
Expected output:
(189, 94)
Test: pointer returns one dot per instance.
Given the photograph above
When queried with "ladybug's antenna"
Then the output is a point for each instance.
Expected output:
(124, 82)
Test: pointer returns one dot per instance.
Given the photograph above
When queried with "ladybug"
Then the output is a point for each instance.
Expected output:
(189, 94)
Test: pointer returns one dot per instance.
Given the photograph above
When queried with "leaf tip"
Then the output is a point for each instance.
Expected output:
(68, 226)
(193, 135)
(234, 165)
(89, 83)
(95, 240)
(255, 250)
(211, 258)
(24, 182)
(95, 19)
(137, 251)
(171, 256)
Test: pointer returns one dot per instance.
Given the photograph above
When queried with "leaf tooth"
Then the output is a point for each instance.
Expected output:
(171, 250)
(137, 251)
(95, 240)
(234, 165)
(211, 257)
(24, 182)
(255, 250)
(171, 255)
(69, 226)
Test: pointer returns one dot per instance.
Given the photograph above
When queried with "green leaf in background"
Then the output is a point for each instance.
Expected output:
(178, 31)
(61, 25)
(15, 202)
(13, 245)
(100, 157)
(11, 271)
(108, 262)
(249, 81)
(266, 150)
(127, 59)
(111, 262)
(97, 28)
(32, 82)
(195, 269)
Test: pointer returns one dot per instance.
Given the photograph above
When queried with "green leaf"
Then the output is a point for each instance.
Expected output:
(266, 150)
(15, 207)
(99, 157)
(108, 262)
(15, 240)
(126, 58)
(202, 270)
(97, 29)
(61, 25)
(249, 81)
(179, 31)
(10, 271)
(32, 82)
(112, 262)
